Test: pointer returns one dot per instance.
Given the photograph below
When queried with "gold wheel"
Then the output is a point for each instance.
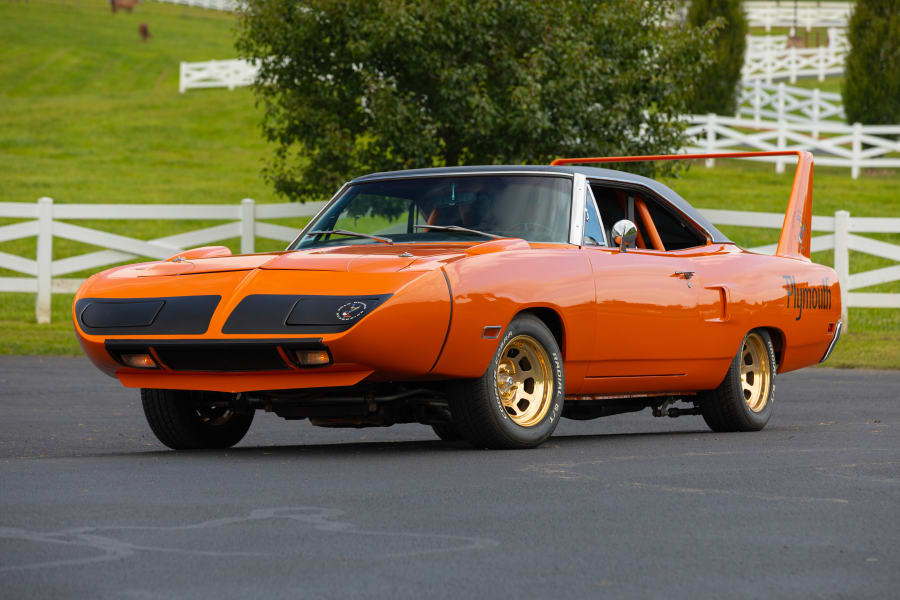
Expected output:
(525, 380)
(756, 372)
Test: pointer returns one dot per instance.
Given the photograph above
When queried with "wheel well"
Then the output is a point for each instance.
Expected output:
(777, 343)
(553, 322)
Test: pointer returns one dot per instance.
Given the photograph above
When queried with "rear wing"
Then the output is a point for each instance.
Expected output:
(794, 241)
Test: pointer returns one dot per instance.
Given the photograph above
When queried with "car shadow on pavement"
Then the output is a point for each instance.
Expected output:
(399, 447)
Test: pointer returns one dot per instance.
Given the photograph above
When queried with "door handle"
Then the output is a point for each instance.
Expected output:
(686, 275)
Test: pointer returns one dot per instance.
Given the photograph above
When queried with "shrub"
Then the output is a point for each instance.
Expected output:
(716, 89)
(871, 87)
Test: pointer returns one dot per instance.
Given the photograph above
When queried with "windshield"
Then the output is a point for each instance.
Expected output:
(462, 208)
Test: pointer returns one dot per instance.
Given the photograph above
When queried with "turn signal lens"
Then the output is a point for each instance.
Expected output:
(139, 361)
(313, 358)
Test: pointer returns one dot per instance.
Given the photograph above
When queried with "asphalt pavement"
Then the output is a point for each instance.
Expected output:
(631, 506)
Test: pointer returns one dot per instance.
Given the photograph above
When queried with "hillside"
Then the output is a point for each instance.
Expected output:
(93, 114)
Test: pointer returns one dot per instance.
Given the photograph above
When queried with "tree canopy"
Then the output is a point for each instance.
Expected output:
(353, 87)
(871, 88)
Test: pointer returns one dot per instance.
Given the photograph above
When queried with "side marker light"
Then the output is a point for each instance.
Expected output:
(313, 358)
(139, 361)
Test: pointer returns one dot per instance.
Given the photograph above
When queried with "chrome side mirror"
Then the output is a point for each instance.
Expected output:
(625, 232)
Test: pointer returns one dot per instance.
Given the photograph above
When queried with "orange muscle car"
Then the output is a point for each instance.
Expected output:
(487, 302)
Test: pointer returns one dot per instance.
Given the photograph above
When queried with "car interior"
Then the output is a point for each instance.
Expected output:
(659, 228)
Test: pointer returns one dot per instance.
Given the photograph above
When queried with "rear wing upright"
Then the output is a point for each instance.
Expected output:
(794, 241)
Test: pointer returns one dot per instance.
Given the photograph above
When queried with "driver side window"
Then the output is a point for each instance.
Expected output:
(594, 234)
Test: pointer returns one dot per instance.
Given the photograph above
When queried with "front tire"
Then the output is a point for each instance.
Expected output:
(185, 420)
(518, 401)
(745, 398)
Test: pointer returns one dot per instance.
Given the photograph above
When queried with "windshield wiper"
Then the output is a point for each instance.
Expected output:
(377, 238)
(460, 229)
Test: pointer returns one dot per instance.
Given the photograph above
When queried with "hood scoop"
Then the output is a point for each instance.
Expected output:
(351, 263)
(197, 265)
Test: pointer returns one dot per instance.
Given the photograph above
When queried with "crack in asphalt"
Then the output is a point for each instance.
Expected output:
(320, 518)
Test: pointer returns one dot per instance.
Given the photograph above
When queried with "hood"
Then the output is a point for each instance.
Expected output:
(347, 259)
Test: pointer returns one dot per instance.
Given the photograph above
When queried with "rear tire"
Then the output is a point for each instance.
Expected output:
(745, 399)
(518, 401)
(183, 420)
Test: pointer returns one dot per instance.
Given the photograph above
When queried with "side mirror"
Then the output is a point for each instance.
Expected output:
(624, 232)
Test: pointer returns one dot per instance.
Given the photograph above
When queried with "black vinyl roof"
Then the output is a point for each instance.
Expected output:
(592, 173)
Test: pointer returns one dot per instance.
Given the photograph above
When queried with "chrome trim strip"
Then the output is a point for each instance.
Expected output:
(837, 334)
(576, 226)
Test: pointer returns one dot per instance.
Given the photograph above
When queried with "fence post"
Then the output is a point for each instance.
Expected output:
(842, 259)
(822, 59)
(757, 100)
(856, 151)
(182, 83)
(248, 225)
(780, 129)
(710, 138)
(792, 63)
(44, 259)
(780, 103)
(769, 64)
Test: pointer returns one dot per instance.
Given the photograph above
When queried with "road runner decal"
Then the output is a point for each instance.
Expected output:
(805, 296)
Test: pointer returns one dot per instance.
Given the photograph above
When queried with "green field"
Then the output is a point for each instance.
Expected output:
(92, 114)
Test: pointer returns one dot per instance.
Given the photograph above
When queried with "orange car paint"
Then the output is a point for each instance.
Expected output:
(629, 322)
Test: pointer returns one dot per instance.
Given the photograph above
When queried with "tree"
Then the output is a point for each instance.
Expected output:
(716, 89)
(871, 88)
(352, 87)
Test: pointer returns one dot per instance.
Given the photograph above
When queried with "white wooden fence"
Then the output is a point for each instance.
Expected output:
(43, 275)
(808, 14)
(229, 73)
(788, 103)
(226, 5)
(760, 43)
(774, 63)
(834, 144)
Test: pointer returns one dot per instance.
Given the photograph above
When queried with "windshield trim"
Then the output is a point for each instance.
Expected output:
(340, 192)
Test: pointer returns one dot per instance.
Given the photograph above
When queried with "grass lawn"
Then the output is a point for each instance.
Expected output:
(92, 114)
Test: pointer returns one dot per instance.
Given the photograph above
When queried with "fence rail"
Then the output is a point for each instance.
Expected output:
(225, 5)
(855, 146)
(791, 63)
(788, 103)
(44, 275)
(808, 14)
(229, 73)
